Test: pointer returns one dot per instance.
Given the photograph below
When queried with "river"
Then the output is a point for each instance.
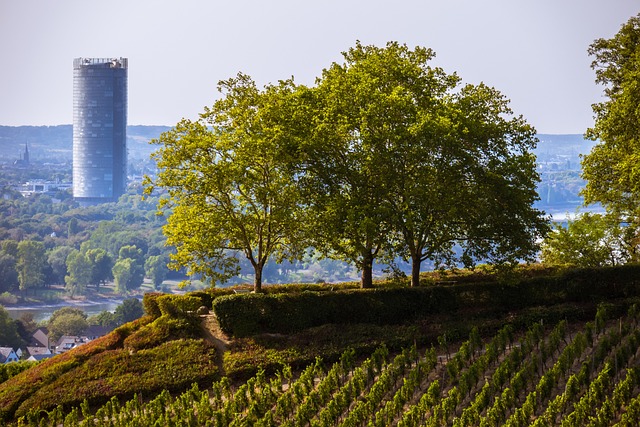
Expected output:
(42, 312)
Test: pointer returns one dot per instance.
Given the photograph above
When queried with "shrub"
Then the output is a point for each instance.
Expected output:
(178, 305)
(150, 304)
(162, 330)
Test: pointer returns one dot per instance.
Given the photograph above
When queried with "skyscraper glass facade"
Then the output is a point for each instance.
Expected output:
(99, 129)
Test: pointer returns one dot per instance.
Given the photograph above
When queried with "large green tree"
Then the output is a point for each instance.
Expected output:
(31, 262)
(67, 321)
(57, 260)
(230, 191)
(79, 269)
(612, 169)
(123, 271)
(8, 273)
(155, 268)
(136, 271)
(400, 160)
(101, 265)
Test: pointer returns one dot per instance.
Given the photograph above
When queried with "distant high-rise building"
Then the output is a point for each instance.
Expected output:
(99, 129)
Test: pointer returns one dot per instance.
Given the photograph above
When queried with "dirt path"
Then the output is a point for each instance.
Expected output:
(214, 335)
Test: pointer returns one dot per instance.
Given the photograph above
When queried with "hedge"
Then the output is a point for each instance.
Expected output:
(249, 314)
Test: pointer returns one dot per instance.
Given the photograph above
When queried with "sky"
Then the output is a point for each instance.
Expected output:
(533, 51)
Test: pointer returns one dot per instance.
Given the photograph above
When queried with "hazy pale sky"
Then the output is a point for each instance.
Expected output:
(533, 51)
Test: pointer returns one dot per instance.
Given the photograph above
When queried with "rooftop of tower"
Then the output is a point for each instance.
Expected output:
(102, 62)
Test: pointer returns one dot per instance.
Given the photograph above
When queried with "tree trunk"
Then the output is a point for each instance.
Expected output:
(367, 273)
(257, 283)
(415, 271)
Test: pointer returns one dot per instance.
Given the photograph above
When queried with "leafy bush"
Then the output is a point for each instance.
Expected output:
(8, 370)
(150, 304)
(178, 305)
(7, 298)
(162, 330)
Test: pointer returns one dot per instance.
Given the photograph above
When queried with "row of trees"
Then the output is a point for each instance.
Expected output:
(385, 156)
(29, 265)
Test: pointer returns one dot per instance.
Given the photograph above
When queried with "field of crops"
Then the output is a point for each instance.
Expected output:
(568, 375)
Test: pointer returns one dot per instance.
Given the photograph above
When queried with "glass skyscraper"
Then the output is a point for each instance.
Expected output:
(99, 129)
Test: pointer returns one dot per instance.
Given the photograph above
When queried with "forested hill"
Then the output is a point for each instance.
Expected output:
(45, 141)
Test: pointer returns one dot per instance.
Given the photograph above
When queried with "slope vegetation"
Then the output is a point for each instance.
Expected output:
(477, 350)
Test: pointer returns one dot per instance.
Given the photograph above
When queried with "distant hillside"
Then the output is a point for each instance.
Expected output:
(47, 141)
(569, 147)
(54, 143)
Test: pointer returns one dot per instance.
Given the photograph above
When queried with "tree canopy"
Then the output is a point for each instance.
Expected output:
(230, 192)
(612, 169)
(385, 156)
(67, 321)
(589, 240)
(401, 160)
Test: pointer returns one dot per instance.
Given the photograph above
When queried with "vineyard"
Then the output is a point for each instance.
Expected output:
(567, 375)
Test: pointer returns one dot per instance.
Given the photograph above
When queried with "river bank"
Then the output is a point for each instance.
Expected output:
(42, 311)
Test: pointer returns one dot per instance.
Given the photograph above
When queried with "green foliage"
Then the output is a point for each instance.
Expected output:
(79, 267)
(250, 314)
(551, 376)
(104, 318)
(385, 156)
(101, 265)
(8, 330)
(131, 275)
(150, 304)
(57, 259)
(161, 330)
(122, 273)
(611, 169)
(156, 269)
(8, 370)
(8, 273)
(414, 165)
(173, 365)
(31, 261)
(178, 305)
(231, 192)
(589, 240)
(129, 310)
(245, 315)
(149, 355)
(67, 321)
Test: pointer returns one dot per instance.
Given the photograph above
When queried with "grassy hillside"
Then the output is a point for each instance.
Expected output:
(495, 359)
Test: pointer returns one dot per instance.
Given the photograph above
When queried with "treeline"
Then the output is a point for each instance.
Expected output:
(45, 242)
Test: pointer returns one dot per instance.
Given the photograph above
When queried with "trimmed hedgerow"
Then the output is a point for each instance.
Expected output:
(245, 315)
(250, 314)
(150, 304)
(178, 305)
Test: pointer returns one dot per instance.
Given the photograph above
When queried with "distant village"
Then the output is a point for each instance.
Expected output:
(40, 347)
